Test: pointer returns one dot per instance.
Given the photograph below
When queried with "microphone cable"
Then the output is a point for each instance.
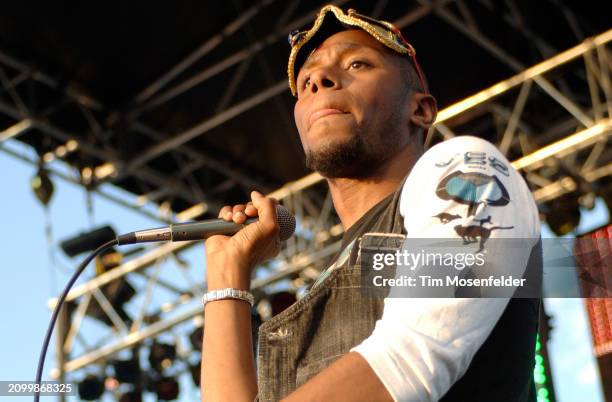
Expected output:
(58, 306)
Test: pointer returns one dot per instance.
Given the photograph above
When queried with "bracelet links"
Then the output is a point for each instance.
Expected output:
(228, 293)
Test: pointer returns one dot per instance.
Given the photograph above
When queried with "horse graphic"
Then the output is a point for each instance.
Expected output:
(446, 217)
(472, 233)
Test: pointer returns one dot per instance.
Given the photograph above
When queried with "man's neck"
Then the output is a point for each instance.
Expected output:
(354, 197)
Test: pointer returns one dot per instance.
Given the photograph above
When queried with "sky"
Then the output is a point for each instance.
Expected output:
(30, 278)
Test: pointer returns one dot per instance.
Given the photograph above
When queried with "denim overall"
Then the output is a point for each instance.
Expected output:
(336, 315)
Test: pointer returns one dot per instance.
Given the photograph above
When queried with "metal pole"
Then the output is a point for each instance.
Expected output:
(228, 62)
(201, 51)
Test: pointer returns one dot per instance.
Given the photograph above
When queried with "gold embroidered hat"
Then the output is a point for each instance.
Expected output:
(383, 31)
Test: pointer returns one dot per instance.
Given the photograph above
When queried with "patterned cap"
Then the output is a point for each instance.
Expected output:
(303, 43)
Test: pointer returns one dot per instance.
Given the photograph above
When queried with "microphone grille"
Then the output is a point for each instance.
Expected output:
(286, 222)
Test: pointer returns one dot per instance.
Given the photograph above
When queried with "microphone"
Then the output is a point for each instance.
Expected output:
(203, 229)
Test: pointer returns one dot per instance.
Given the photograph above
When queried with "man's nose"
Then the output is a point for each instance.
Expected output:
(323, 78)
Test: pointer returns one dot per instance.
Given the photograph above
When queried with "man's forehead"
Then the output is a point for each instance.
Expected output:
(344, 41)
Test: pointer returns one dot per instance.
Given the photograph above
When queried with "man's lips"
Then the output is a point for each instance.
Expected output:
(322, 113)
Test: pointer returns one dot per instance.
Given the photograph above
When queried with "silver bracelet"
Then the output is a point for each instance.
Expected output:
(228, 293)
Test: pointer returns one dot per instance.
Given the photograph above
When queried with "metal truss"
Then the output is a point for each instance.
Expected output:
(183, 185)
(577, 141)
(231, 112)
(161, 91)
(172, 84)
(580, 127)
(28, 119)
(299, 263)
(15, 73)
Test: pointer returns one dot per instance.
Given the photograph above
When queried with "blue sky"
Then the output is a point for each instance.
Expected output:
(29, 279)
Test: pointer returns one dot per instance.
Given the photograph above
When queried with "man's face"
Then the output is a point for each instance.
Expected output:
(351, 111)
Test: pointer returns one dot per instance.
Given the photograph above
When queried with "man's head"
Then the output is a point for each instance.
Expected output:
(359, 103)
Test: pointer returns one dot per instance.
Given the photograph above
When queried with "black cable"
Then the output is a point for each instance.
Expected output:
(58, 306)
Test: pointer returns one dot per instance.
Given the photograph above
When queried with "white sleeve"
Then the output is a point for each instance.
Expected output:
(421, 347)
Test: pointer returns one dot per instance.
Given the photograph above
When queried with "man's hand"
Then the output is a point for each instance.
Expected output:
(228, 368)
(230, 259)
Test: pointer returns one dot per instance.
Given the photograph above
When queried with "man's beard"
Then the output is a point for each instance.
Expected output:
(355, 158)
(349, 159)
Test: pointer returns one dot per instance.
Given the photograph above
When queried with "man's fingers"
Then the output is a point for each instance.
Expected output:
(225, 212)
(238, 208)
(234, 213)
(239, 213)
(266, 209)
(258, 241)
(250, 210)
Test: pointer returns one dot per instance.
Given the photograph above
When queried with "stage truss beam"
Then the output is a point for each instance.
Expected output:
(305, 253)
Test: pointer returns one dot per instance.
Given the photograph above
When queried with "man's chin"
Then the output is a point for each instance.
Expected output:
(337, 173)
(346, 160)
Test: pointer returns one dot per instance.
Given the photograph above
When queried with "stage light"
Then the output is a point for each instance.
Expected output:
(42, 186)
(72, 145)
(539, 373)
(87, 241)
(111, 383)
(166, 388)
(563, 214)
(91, 388)
(127, 371)
(60, 151)
(105, 170)
(196, 338)
(86, 175)
(118, 292)
(161, 356)
(48, 157)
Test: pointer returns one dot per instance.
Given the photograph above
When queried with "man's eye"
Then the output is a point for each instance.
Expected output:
(357, 64)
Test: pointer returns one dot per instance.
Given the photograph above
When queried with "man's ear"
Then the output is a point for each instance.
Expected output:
(424, 109)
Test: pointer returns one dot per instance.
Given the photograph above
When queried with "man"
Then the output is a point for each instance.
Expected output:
(362, 110)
